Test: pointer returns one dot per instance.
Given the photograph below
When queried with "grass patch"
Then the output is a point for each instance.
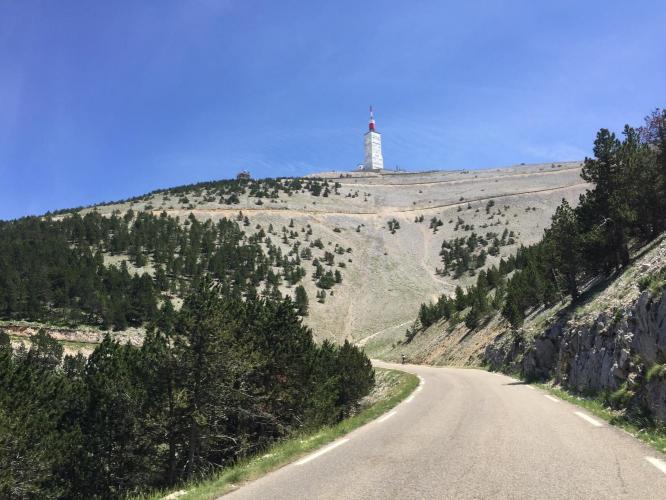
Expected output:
(397, 386)
(654, 282)
(656, 371)
(654, 435)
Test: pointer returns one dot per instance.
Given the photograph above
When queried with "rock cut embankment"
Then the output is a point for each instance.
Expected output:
(617, 345)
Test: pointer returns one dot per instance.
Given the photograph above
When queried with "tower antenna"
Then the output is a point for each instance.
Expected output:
(374, 161)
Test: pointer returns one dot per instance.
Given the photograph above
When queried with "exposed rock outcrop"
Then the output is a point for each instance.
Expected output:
(609, 352)
(85, 335)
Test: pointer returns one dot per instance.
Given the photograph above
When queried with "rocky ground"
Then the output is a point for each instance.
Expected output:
(615, 342)
(387, 275)
(74, 340)
(612, 343)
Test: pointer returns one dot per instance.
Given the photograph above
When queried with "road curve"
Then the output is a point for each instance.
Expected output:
(473, 434)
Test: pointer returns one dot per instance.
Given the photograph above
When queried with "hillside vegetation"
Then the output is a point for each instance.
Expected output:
(346, 249)
(57, 270)
(218, 380)
(584, 305)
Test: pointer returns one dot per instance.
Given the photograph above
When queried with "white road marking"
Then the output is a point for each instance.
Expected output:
(529, 387)
(387, 416)
(409, 398)
(322, 451)
(659, 464)
(589, 419)
(554, 400)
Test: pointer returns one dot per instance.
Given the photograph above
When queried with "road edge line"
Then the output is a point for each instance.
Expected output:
(243, 472)
(319, 453)
(588, 419)
(658, 463)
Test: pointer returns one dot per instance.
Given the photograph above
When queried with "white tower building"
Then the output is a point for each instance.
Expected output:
(374, 161)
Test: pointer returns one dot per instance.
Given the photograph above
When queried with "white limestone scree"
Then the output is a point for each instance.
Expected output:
(373, 161)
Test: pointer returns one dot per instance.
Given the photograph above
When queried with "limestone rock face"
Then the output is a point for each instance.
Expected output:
(505, 352)
(655, 398)
(540, 358)
(594, 357)
(650, 326)
(606, 353)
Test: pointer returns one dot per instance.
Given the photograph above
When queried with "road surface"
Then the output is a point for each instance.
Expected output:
(473, 434)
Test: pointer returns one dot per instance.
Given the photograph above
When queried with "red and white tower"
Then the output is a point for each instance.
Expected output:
(373, 160)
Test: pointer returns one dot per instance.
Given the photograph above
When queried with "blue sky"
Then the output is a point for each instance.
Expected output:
(105, 100)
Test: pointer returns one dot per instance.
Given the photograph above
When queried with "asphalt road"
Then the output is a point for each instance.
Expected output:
(473, 434)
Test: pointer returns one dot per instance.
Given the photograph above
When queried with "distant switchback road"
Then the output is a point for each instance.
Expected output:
(473, 434)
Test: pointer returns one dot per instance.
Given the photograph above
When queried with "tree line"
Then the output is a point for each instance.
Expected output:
(218, 380)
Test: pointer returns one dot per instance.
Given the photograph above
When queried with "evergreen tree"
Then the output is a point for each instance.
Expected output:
(565, 246)
(205, 364)
(605, 209)
(301, 300)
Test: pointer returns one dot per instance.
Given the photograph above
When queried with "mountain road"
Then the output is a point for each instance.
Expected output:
(467, 433)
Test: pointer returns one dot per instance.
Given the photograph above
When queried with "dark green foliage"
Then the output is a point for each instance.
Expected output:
(477, 298)
(327, 279)
(340, 377)
(466, 253)
(410, 333)
(356, 377)
(301, 300)
(222, 378)
(565, 244)
(54, 270)
(625, 206)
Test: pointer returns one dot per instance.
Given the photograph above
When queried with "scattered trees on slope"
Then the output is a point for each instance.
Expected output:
(55, 270)
(625, 206)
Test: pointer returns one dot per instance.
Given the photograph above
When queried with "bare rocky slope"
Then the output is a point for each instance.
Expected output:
(614, 343)
(387, 273)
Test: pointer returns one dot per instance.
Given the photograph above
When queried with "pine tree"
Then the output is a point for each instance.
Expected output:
(605, 206)
(203, 349)
(565, 245)
(357, 376)
(301, 300)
